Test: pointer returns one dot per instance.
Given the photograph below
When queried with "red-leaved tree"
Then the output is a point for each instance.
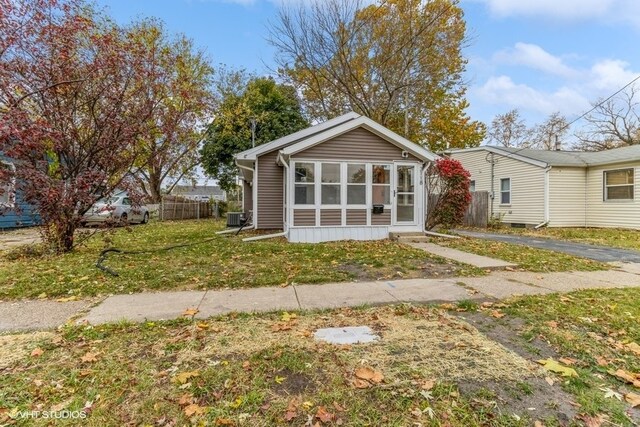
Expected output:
(448, 193)
(75, 102)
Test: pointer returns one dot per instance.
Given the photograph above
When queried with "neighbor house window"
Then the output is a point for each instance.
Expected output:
(381, 185)
(6, 184)
(330, 184)
(356, 184)
(304, 184)
(472, 185)
(618, 184)
(505, 191)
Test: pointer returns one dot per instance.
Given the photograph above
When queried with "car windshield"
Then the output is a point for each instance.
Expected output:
(109, 200)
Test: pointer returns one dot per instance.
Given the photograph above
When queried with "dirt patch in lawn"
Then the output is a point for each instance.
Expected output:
(16, 347)
(534, 396)
(427, 270)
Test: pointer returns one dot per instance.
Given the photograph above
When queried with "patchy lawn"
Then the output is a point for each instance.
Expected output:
(613, 237)
(527, 258)
(428, 368)
(223, 262)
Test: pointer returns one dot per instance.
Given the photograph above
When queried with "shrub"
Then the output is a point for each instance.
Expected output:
(448, 193)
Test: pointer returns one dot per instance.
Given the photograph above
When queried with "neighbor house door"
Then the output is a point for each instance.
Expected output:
(405, 203)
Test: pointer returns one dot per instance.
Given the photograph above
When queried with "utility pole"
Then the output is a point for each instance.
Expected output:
(253, 132)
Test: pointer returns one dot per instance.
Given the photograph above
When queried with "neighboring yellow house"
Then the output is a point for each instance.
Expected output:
(557, 188)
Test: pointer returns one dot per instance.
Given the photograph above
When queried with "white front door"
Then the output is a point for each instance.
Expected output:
(405, 202)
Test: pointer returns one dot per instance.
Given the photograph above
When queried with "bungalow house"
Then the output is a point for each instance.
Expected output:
(557, 188)
(14, 211)
(346, 178)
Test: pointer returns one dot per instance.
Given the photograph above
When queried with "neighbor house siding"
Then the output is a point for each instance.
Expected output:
(270, 192)
(567, 198)
(618, 213)
(358, 144)
(527, 185)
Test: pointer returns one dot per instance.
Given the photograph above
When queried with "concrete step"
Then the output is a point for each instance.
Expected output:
(413, 234)
(414, 239)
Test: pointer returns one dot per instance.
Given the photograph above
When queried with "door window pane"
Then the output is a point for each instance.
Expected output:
(405, 208)
(405, 179)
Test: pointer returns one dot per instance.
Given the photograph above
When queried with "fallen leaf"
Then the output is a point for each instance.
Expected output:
(183, 377)
(428, 384)
(358, 383)
(89, 357)
(286, 317)
(611, 394)
(338, 407)
(190, 312)
(633, 347)
(538, 423)
(290, 415)
(497, 314)
(628, 377)
(549, 380)
(554, 366)
(323, 415)
(633, 399)
(552, 324)
(194, 410)
(567, 361)
(278, 327)
(601, 361)
(369, 374)
(202, 325)
(61, 406)
(593, 421)
(279, 380)
(225, 422)
(185, 399)
(246, 365)
(37, 352)
(68, 299)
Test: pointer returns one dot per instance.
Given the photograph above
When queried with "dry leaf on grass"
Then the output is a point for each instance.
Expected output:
(497, 314)
(89, 357)
(633, 347)
(279, 327)
(567, 361)
(549, 380)
(428, 384)
(554, 366)
(183, 377)
(194, 409)
(185, 399)
(37, 352)
(601, 361)
(633, 399)
(593, 421)
(365, 377)
(225, 422)
(323, 415)
(627, 377)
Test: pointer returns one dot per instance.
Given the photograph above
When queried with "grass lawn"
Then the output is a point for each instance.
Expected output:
(223, 262)
(527, 258)
(430, 367)
(614, 237)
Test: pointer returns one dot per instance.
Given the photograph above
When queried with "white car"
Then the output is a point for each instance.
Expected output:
(118, 209)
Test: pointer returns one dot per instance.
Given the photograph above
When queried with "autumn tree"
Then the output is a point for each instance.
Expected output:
(183, 100)
(398, 62)
(74, 105)
(545, 135)
(273, 109)
(509, 130)
(448, 192)
(614, 122)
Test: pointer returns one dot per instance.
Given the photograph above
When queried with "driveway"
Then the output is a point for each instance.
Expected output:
(19, 237)
(597, 253)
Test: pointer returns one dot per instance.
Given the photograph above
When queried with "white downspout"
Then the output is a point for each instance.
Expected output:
(285, 195)
(425, 196)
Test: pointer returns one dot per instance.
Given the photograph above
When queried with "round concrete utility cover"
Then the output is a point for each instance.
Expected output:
(346, 335)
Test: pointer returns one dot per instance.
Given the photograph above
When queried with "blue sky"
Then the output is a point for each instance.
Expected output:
(539, 56)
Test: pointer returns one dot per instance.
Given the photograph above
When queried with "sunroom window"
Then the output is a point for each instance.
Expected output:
(356, 184)
(304, 184)
(330, 184)
(381, 185)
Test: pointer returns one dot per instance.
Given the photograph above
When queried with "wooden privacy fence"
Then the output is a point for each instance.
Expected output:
(477, 214)
(177, 208)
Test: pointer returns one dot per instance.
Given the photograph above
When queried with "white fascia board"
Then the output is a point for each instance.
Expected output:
(368, 124)
(497, 150)
(252, 153)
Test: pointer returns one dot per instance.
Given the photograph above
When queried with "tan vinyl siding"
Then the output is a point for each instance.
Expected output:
(330, 217)
(612, 213)
(527, 185)
(270, 191)
(358, 144)
(356, 216)
(247, 192)
(567, 197)
(304, 217)
(381, 219)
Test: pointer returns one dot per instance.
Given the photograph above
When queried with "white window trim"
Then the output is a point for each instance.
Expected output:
(10, 188)
(605, 186)
(501, 192)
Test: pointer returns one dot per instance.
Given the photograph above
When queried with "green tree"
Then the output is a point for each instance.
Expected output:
(275, 109)
(398, 62)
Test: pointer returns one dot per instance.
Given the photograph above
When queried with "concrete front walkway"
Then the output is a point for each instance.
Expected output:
(24, 315)
(584, 250)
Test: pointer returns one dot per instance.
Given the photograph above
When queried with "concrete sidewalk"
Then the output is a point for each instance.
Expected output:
(24, 315)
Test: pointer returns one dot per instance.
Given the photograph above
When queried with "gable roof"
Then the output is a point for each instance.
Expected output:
(314, 135)
(544, 158)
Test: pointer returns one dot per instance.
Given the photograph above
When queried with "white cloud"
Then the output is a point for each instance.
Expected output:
(610, 75)
(533, 56)
(502, 90)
